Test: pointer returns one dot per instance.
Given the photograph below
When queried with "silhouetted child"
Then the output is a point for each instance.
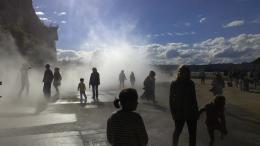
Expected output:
(125, 127)
(215, 117)
(82, 89)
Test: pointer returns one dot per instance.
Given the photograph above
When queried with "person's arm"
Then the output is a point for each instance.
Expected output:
(90, 80)
(172, 100)
(60, 77)
(78, 87)
(201, 111)
(98, 79)
(52, 76)
(44, 77)
(109, 132)
(141, 132)
(193, 91)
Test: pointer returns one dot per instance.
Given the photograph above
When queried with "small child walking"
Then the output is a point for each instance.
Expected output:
(126, 127)
(82, 89)
(215, 117)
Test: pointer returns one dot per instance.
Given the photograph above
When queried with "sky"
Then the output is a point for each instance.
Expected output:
(171, 31)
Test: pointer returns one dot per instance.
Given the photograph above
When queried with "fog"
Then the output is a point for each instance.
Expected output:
(108, 48)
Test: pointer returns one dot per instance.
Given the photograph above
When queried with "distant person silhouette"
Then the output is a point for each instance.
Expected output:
(202, 77)
(217, 84)
(24, 79)
(183, 105)
(122, 79)
(215, 118)
(149, 87)
(94, 82)
(132, 79)
(47, 80)
(126, 127)
(57, 80)
(82, 90)
(255, 77)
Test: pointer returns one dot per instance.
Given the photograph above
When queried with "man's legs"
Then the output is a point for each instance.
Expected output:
(93, 92)
(21, 90)
(27, 86)
(192, 128)
(96, 89)
(211, 135)
(85, 97)
(177, 131)
(81, 99)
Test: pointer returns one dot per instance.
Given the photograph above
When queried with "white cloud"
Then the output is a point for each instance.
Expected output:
(187, 24)
(238, 49)
(169, 33)
(39, 13)
(235, 23)
(241, 48)
(185, 33)
(62, 13)
(257, 20)
(63, 22)
(203, 19)
(44, 19)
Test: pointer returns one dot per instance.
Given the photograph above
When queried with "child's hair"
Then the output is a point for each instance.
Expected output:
(47, 66)
(126, 98)
(56, 69)
(81, 79)
(220, 101)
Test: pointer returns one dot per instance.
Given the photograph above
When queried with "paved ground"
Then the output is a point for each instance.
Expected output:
(65, 122)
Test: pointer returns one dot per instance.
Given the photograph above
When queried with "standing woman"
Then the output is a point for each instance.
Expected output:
(94, 82)
(132, 79)
(57, 80)
(183, 105)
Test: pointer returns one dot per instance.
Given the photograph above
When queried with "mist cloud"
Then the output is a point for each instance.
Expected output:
(241, 48)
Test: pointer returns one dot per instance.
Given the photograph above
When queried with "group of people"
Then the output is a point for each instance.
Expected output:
(243, 79)
(122, 78)
(94, 82)
(126, 127)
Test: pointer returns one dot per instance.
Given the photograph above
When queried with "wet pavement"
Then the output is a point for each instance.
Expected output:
(67, 123)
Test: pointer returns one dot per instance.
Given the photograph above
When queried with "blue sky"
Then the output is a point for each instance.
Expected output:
(147, 22)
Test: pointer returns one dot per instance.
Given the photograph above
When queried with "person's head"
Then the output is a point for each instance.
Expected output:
(218, 76)
(220, 102)
(56, 69)
(152, 73)
(122, 71)
(47, 66)
(94, 69)
(183, 73)
(127, 99)
(82, 80)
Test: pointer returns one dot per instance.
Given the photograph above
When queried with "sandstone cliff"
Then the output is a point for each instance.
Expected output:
(34, 40)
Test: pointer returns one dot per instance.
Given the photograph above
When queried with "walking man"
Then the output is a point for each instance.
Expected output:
(47, 80)
(94, 82)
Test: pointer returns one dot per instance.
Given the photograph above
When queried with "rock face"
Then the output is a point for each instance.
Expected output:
(35, 41)
(257, 61)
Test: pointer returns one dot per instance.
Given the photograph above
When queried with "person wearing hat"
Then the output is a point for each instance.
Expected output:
(47, 80)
